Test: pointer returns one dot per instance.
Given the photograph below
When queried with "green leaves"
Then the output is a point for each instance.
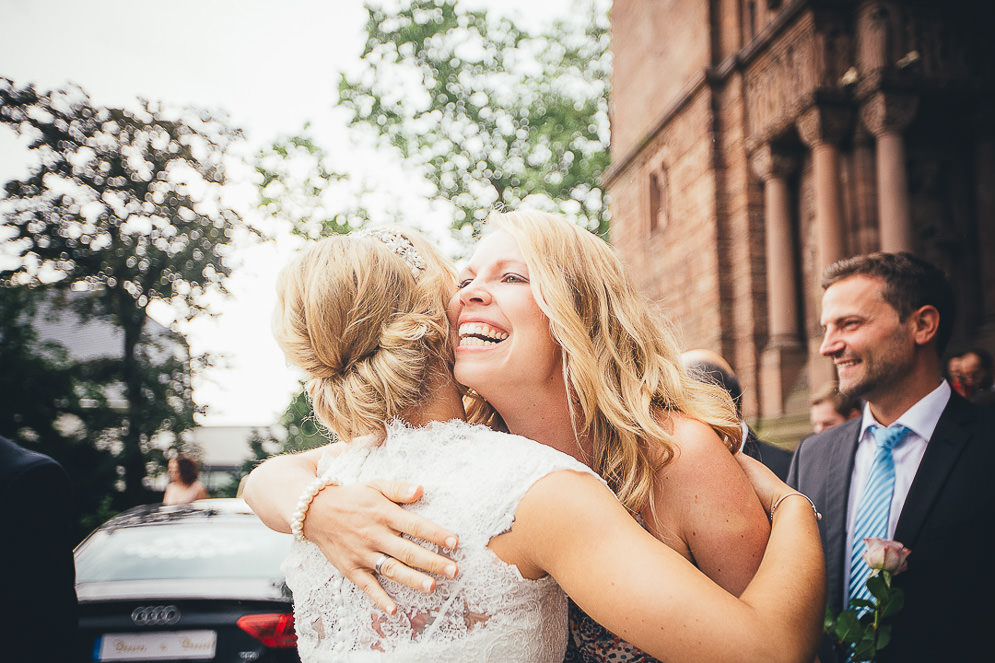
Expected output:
(861, 629)
(490, 113)
(123, 201)
(877, 586)
(123, 208)
(847, 627)
(893, 603)
(295, 180)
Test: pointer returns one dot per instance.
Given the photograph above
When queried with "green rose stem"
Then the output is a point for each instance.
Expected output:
(862, 629)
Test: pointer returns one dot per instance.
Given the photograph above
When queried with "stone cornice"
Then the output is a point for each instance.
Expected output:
(712, 76)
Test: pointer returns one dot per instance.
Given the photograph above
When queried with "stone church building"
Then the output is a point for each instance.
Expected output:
(756, 141)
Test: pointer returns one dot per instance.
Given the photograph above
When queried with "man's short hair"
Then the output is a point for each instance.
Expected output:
(909, 284)
(844, 405)
(709, 366)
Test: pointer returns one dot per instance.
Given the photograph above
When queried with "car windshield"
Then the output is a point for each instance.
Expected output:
(182, 550)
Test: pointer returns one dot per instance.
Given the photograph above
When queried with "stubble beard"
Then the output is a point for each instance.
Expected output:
(885, 373)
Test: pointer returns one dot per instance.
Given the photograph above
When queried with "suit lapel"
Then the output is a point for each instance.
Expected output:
(953, 431)
(839, 471)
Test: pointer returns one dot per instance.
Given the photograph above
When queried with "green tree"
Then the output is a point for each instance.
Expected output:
(303, 432)
(303, 429)
(295, 182)
(45, 406)
(488, 112)
(125, 204)
(491, 113)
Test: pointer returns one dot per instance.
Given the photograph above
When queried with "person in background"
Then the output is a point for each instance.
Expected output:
(829, 408)
(183, 486)
(710, 366)
(976, 376)
(38, 610)
(952, 372)
(915, 468)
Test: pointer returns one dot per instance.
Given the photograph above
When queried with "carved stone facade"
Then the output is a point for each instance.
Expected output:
(755, 142)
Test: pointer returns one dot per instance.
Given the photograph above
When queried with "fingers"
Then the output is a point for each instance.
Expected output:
(401, 492)
(367, 582)
(398, 572)
(354, 525)
(410, 555)
(394, 569)
(412, 524)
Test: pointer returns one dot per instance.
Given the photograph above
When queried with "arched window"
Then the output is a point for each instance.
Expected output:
(659, 199)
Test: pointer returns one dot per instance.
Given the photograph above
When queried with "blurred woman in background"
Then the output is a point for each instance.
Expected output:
(183, 486)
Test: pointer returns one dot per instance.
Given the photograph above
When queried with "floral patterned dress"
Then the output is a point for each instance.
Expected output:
(590, 642)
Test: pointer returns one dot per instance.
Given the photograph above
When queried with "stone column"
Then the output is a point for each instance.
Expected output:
(784, 356)
(886, 115)
(822, 128)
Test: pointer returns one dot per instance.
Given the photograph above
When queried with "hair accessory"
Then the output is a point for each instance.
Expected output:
(304, 503)
(818, 516)
(399, 244)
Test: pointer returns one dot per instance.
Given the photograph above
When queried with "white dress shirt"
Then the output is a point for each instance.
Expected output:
(921, 419)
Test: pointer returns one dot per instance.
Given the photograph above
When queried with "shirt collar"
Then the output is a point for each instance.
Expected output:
(921, 418)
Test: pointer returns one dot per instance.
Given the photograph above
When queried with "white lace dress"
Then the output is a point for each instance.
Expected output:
(473, 479)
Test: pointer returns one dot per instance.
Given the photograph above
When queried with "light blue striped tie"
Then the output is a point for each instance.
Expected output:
(875, 505)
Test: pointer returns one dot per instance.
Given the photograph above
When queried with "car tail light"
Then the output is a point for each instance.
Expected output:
(273, 630)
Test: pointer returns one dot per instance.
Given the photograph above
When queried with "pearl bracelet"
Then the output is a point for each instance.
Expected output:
(304, 503)
(818, 516)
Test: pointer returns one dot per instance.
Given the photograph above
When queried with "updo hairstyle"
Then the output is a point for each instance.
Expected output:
(369, 334)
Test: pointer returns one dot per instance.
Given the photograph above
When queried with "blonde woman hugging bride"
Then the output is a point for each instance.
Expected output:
(364, 316)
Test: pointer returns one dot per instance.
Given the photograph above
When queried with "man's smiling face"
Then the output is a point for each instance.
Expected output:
(870, 346)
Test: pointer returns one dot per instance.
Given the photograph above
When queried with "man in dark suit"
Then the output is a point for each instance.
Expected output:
(887, 318)
(38, 618)
(710, 366)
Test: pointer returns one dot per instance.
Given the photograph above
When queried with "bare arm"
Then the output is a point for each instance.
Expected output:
(272, 489)
(571, 526)
(353, 525)
(707, 510)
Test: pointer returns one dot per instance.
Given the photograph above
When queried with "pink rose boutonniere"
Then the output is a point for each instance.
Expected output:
(862, 630)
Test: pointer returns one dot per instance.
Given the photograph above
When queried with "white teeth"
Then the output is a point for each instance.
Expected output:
(478, 331)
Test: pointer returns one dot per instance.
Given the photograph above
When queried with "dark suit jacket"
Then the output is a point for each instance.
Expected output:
(38, 619)
(775, 458)
(947, 522)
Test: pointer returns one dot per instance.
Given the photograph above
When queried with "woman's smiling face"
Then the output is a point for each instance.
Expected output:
(504, 338)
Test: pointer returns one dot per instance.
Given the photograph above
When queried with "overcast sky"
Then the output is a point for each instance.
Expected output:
(272, 65)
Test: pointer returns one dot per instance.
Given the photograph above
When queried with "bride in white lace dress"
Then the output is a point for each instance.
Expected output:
(364, 317)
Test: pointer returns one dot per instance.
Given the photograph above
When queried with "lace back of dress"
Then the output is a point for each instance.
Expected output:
(473, 480)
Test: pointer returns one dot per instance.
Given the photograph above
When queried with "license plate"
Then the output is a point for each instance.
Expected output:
(170, 645)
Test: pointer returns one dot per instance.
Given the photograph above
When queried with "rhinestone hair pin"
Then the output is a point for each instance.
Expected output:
(399, 244)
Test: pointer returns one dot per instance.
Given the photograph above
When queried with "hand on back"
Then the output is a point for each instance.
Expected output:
(355, 525)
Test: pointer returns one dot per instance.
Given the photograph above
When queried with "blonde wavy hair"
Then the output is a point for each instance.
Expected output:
(621, 361)
(368, 333)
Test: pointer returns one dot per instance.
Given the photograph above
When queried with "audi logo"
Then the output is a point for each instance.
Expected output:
(155, 615)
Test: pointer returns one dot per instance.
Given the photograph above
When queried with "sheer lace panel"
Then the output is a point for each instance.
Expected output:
(474, 479)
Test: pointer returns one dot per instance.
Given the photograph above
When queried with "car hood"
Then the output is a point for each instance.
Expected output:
(183, 588)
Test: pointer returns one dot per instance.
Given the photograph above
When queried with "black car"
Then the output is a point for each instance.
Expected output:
(198, 582)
